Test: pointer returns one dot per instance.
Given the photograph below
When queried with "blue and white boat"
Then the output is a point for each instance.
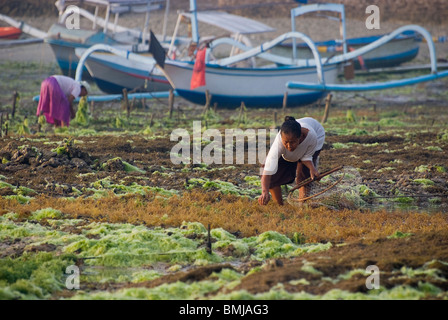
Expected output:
(113, 73)
(228, 84)
(401, 49)
(260, 85)
(64, 40)
(256, 87)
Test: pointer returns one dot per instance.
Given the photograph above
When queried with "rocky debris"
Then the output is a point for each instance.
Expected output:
(78, 163)
(15, 158)
(114, 165)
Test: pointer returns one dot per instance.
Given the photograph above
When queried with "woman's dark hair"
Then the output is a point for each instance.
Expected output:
(291, 126)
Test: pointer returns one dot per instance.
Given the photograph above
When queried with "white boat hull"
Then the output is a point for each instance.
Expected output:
(113, 73)
(258, 87)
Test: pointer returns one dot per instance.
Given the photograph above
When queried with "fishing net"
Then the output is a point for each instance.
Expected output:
(343, 188)
(338, 189)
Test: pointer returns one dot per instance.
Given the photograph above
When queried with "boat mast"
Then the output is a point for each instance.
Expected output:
(165, 19)
(194, 21)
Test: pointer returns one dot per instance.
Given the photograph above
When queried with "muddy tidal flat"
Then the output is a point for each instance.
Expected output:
(103, 197)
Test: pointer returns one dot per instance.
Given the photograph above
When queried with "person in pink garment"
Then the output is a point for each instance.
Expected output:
(57, 94)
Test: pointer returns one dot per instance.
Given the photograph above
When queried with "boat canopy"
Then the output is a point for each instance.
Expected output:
(116, 6)
(230, 22)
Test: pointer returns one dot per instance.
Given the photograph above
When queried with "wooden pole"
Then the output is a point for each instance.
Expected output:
(92, 109)
(6, 124)
(125, 99)
(240, 116)
(209, 241)
(327, 108)
(285, 102)
(14, 102)
(133, 104)
(171, 102)
(208, 97)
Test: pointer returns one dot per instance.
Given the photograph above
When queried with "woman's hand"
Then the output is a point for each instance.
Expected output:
(264, 198)
(314, 174)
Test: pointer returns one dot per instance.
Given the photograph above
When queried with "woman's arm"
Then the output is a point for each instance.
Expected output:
(72, 111)
(265, 196)
(313, 171)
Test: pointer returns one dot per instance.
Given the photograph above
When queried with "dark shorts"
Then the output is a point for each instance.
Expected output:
(286, 172)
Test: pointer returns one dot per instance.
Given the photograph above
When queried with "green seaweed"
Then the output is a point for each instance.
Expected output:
(33, 276)
(425, 182)
(23, 128)
(127, 166)
(399, 235)
(47, 213)
(82, 114)
(222, 186)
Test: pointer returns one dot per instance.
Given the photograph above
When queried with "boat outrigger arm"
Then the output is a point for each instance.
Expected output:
(122, 53)
(140, 6)
(39, 34)
(332, 7)
(322, 86)
(149, 61)
(263, 48)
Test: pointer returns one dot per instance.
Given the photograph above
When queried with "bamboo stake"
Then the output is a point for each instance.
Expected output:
(209, 241)
(7, 124)
(285, 102)
(171, 102)
(133, 103)
(327, 108)
(126, 101)
(208, 98)
(242, 107)
(14, 102)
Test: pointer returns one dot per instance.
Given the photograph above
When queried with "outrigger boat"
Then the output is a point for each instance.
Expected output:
(322, 85)
(13, 35)
(229, 85)
(64, 41)
(301, 81)
(260, 89)
(113, 73)
(10, 33)
(403, 48)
